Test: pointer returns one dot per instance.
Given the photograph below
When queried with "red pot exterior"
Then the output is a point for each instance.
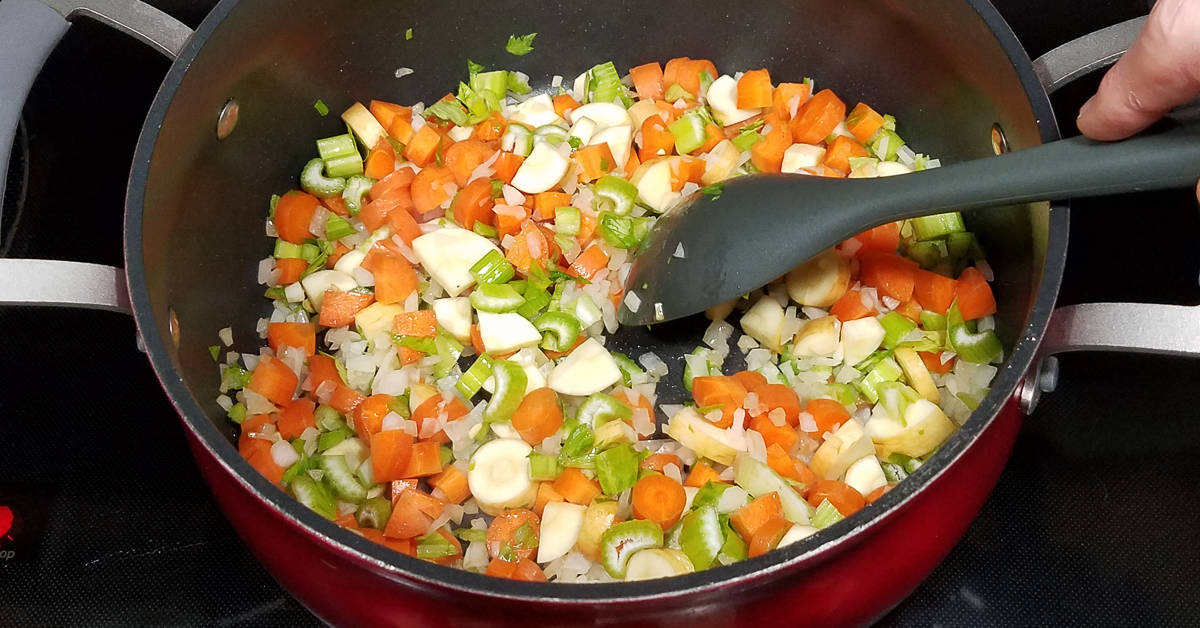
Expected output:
(850, 583)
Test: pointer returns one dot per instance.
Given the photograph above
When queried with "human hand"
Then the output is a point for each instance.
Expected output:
(1160, 71)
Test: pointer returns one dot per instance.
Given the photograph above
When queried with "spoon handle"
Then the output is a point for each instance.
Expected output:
(1071, 168)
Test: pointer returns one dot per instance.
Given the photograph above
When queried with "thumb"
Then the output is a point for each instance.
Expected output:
(1160, 71)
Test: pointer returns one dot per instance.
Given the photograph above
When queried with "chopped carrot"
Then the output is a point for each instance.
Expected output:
(506, 166)
(300, 335)
(339, 250)
(338, 307)
(539, 416)
(385, 112)
(477, 340)
(395, 279)
(524, 570)
(660, 499)
(434, 407)
(750, 380)
(844, 497)
(293, 212)
(767, 537)
(594, 162)
(780, 397)
(452, 482)
(576, 487)
(657, 140)
(749, 518)
(686, 170)
(827, 414)
(322, 368)
(297, 417)
(264, 463)
(248, 444)
(345, 399)
(688, 75)
(850, 307)
(658, 462)
(399, 179)
(503, 530)
(878, 493)
(934, 292)
(390, 453)
(564, 103)
(347, 520)
(975, 299)
(632, 164)
(336, 205)
(647, 80)
(754, 90)
(368, 416)
(404, 225)
(933, 362)
(891, 274)
(671, 71)
(290, 269)
(817, 118)
(779, 460)
(587, 227)
(719, 390)
(426, 460)
(545, 203)
(713, 135)
(404, 546)
(509, 219)
(490, 129)
(783, 435)
(462, 158)
(884, 238)
(592, 260)
(422, 323)
(399, 486)
(702, 474)
(840, 150)
(274, 380)
(527, 242)
(408, 520)
(474, 204)
(401, 130)
(381, 160)
(422, 148)
(863, 122)
(910, 309)
(376, 213)
(432, 187)
(767, 154)
(545, 495)
(788, 93)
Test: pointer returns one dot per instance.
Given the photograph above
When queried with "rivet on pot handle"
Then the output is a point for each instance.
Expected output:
(1130, 327)
(29, 30)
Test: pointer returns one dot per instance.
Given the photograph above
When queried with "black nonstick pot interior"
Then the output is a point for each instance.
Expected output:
(949, 70)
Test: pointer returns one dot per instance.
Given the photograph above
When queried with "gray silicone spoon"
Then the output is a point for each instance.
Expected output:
(759, 227)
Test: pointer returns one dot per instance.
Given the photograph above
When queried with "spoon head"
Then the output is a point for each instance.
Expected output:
(718, 245)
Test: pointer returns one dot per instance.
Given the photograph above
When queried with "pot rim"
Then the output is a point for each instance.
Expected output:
(421, 574)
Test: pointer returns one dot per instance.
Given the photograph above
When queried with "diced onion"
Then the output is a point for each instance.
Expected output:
(403, 72)
(284, 454)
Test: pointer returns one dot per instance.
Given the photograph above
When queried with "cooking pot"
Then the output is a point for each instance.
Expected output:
(234, 121)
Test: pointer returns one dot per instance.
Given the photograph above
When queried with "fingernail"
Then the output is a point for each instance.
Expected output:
(1087, 105)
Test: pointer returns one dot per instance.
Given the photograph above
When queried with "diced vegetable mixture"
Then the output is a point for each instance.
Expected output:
(436, 376)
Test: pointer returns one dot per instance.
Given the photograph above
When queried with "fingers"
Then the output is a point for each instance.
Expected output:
(1159, 72)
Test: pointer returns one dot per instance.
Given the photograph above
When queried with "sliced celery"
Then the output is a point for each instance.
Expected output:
(510, 380)
(938, 225)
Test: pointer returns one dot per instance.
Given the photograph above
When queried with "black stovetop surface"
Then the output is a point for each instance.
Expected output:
(1093, 522)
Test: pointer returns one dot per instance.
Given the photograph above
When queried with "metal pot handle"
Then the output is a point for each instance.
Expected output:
(1140, 327)
(29, 30)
